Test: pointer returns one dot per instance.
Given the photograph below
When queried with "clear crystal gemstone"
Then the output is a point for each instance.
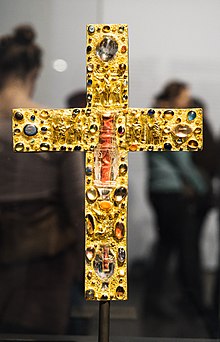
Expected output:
(107, 49)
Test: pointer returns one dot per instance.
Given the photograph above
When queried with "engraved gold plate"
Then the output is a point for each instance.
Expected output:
(107, 129)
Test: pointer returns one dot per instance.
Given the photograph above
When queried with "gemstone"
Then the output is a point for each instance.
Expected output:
(182, 131)
(77, 148)
(193, 144)
(90, 67)
(44, 114)
(123, 49)
(89, 224)
(166, 130)
(168, 114)
(30, 129)
(90, 294)
(88, 171)
(19, 116)
(121, 29)
(32, 117)
(121, 273)
(119, 230)
(89, 49)
(75, 111)
(19, 147)
(125, 97)
(123, 169)
(107, 49)
(104, 297)
(17, 131)
(151, 112)
(91, 194)
(93, 129)
(105, 286)
(44, 147)
(89, 97)
(121, 255)
(43, 129)
(179, 141)
(198, 130)
(105, 205)
(104, 263)
(120, 292)
(191, 115)
(63, 148)
(150, 148)
(89, 83)
(106, 28)
(121, 130)
(91, 29)
(90, 252)
(167, 146)
(133, 147)
(122, 67)
(120, 194)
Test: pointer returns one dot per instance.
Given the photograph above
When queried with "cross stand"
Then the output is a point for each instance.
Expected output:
(104, 321)
(107, 129)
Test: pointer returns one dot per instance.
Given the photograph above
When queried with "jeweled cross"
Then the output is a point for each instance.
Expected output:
(107, 129)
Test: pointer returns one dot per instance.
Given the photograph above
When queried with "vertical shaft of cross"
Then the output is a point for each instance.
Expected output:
(104, 321)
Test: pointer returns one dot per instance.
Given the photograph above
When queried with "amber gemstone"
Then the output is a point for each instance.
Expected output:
(105, 205)
(133, 147)
(123, 49)
(119, 230)
(120, 292)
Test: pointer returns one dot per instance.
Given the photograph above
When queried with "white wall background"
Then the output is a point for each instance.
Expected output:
(170, 39)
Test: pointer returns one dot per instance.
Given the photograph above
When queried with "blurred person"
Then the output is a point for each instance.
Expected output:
(175, 184)
(41, 208)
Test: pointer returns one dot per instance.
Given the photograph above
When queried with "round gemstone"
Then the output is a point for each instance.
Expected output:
(91, 29)
(107, 49)
(77, 148)
(44, 147)
(191, 115)
(32, 117)
(121, 29)
(93, 129)
(44, 114)
(19, 147)
(89, 82)
(106, 28)
(168, 114)
(125, 97)
(104, 297)
(90, 67)
(123, 49)
(17, 131)
(88, 171)
(90, 294)
(89, 49)
(75, 111)
(91, 194)
(123, 169)
(198, 130)
(122, 67)
(120, 292)
(151, 112)
(89, 224)
(19, 116)
(30, 130)
(89, 97)
(120, 194)
(121, 130)
(133, 147)
(182, 131)
(167, 146)
(119, 230)
(43, 129)
(193, 144)
(63, 148)
(90, 252)
(121, 255)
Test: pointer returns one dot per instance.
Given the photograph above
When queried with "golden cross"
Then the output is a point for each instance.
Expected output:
(107, 129)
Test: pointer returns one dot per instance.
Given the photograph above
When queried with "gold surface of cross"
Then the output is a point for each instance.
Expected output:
(107, 129)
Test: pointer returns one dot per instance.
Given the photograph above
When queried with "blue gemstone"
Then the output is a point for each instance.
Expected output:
(32, 117)
(77, 148)
(43, 129)
(88, 171)
(191, 115)
(89, 82)
(168, 146)
(30, 130)
(151, 112)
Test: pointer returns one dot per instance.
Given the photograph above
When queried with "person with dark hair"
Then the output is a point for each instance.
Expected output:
(175, 185)
(41, 207)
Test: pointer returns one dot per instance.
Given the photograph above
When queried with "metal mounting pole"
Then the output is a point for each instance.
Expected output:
(104, 321)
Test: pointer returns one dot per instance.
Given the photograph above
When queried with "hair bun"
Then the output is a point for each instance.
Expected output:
(24, 35)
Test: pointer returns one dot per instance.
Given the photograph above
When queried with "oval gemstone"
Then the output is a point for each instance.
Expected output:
(120, 292)
(104, 264)
(107, 49)
(44, 114)
(122, 67)
(151, 112)
(198, 130)
(32, 117)
(123, 169)
(167, 146)
(91, 194)
(30, 130)
(88, 49)
(89, 83)
(120, 194)
(19, 147)
(77, 148)
(191, 115)
(89, 97)
(19, 116)
(90, 67)
(182, 131)
(88, 171)
(17, 131)
(75, 111)
(44, 147)
(168, 114)
(105, 205)
(43, 129)
(133, 147)
(193, 144)
(119, 230)
(90, 252)
(121, 255)
(89, 224)
(121, 130)
(90, 294)
(91, 29)
(93, 129)
(106, 28)
(123, 49)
